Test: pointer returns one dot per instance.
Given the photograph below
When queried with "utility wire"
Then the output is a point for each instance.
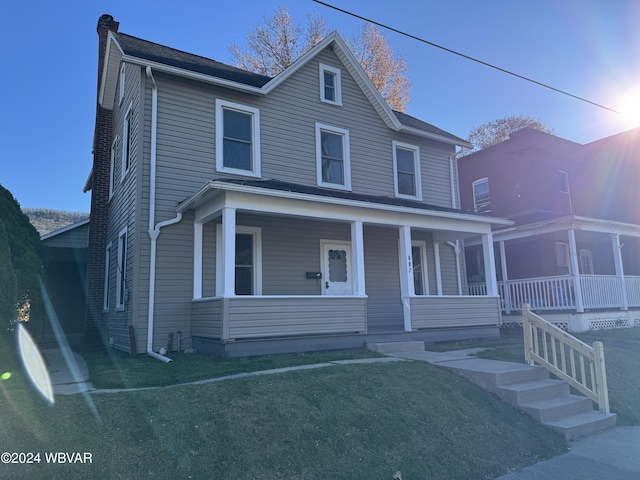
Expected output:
(486, 64)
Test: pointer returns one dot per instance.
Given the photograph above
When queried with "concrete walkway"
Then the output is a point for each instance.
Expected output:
(613, 454)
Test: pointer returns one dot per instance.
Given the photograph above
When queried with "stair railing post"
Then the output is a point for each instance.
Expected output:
(601, 377)
(526, 332)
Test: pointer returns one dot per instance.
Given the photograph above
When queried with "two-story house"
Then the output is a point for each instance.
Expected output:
(574, 247)
(240, 214)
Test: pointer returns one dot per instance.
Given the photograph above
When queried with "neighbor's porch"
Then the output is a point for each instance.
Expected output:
(590, 264)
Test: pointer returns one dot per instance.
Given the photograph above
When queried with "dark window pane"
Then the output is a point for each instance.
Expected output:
(237, 155)
(329, 86)
(237, 125)
(237, 140)
(244, 264)
(418, 275)
(332, 171)
(406, 184)
(244, 280)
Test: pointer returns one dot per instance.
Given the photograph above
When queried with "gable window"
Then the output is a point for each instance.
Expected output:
(107, 278)
(121, 282)
(406, 170)
(237, 139)
(126, 143)
(481, 197)
(330, 85)
(332, 157)
(122, 81)
(563, 186)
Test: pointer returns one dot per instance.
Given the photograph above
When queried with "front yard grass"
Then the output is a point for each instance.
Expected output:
(365, 421)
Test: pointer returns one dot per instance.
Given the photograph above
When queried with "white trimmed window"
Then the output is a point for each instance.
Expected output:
(563, 259)
(121, 278)
(481, 196)
(332, 157)
(126, 143)
(122, 82)
(237, 139)
(406, 171)
(112, 166)
(107, 278)
(330, 85)
(586, 261)
(248, 264)
(419, 260)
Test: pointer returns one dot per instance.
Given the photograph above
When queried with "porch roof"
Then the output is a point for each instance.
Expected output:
(570, 222)
(324, 199)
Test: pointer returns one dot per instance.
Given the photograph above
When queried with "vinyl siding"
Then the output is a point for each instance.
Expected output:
(206, 317)
(382, 278)
(251, 317)
(449, 312)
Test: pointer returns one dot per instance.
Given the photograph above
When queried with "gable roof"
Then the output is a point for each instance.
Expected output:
(123, 47)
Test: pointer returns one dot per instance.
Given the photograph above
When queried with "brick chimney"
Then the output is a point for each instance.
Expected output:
(103, 138)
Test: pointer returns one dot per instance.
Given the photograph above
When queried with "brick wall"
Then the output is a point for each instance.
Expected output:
(99, 198)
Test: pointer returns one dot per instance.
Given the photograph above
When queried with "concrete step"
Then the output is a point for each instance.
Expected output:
(517, 394)
(492, 374)
(394, 347)
(554, 408)
(582, 424)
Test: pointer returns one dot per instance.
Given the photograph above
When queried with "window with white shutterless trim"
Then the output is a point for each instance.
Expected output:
(248, 260)
(332, 157)
(107, 277)
(330, 85)
(122, 82)
(126, 142)
(112, 166)
(237, 139)
(121, 277)
(406, 171)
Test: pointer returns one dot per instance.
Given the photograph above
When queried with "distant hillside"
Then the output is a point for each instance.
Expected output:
(46, 220)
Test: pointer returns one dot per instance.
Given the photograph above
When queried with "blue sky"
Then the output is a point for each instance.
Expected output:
(590, 48)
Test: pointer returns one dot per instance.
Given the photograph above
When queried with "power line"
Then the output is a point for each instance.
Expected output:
(486, 64)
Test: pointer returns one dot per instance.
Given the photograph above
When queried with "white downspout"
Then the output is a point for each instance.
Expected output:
(454, 204)
(155, 231)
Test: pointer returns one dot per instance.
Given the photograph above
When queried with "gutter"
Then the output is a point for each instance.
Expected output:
(154, 232)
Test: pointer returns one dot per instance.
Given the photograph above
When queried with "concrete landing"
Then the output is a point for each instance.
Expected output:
(68, 371)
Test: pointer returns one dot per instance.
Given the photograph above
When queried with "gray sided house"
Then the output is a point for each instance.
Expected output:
(239, 214)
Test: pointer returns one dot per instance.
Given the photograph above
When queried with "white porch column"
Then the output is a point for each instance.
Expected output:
(575, 268)
(357, 261)
(407, 288)
(436, 254)
(505, 278)
(228, 257)
(489, 265)
(197, 260)
(617, 259)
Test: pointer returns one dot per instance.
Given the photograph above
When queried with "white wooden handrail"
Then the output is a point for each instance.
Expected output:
(571, 360)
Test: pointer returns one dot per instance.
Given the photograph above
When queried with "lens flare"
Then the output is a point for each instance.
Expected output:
(34, 365)
(6, 376)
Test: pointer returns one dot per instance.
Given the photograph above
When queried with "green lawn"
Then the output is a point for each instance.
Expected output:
(340, 422)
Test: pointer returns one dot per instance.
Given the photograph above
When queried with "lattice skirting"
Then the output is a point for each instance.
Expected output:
(609, 323)
(518, 325)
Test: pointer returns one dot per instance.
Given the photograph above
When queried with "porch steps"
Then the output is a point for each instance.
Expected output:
(396, 347)
(530, 389)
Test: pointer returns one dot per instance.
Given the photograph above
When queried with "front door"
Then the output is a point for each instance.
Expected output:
(336, 269)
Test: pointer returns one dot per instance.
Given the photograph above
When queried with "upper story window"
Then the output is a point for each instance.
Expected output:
(563, 179)
(406, 170)
(332, 157)
(481, 197)
(126, 142)
(122, 82)
(237, 139)
(330, 85)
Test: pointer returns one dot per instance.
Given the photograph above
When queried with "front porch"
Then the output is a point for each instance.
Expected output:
(312, 270)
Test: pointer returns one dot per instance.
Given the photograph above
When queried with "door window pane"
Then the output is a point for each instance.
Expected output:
(337, 266)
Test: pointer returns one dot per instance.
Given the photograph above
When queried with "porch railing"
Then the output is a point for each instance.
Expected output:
(571, 360)
(559, 293)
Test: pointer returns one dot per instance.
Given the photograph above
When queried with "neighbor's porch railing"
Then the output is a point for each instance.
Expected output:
(559, 292)
(571, 360)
